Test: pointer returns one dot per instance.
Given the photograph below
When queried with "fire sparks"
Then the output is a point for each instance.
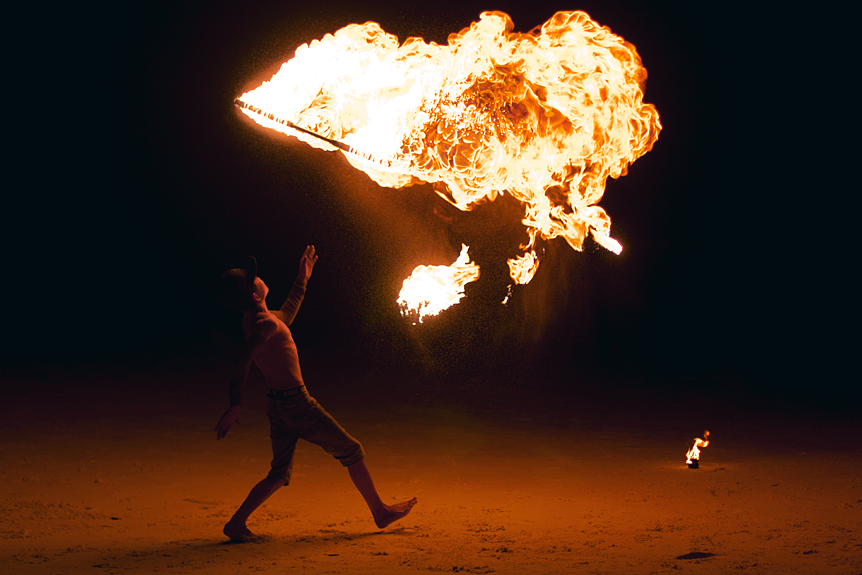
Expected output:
(431, 289)
(693, 455)
(545, 116)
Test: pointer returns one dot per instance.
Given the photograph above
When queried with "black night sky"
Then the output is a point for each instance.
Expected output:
(130, 209)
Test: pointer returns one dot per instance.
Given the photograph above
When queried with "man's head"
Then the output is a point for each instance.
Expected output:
(240, 289)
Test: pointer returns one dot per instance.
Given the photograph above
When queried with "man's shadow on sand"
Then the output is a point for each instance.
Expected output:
(326, 536)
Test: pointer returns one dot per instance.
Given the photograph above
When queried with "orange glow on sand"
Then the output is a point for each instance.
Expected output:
(545, 116)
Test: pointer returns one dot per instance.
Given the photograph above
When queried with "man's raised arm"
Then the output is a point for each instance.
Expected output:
(288, 310)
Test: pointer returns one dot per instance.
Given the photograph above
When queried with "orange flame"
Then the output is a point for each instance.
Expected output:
(431, 289)
(546, 116)
(523, 268)
(694, 452)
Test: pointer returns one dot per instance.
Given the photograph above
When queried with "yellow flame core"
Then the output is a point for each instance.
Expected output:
(545, 116)
(431, 289)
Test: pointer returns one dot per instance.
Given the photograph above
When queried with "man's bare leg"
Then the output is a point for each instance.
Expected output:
(383, 514)
(235, 529)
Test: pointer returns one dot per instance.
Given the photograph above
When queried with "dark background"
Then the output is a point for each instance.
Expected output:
(138, 183)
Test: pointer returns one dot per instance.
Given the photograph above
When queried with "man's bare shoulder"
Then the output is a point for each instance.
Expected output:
(263, 323)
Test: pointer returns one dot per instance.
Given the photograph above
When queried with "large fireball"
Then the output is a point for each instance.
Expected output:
(545, 116)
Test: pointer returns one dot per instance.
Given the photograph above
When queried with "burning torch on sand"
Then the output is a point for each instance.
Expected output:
(693, 455)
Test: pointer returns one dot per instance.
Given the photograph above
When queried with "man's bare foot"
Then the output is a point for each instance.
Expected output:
(392, 513)
(238, 533)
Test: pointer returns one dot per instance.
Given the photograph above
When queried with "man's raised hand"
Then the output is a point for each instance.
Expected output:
(306, 264)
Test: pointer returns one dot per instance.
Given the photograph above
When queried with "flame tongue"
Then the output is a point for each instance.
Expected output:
(694, 453)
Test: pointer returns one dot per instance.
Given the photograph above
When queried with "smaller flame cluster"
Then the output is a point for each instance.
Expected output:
(431, 289)
(693, 455)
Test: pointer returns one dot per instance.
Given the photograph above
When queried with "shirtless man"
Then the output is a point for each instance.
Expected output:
(292, 412)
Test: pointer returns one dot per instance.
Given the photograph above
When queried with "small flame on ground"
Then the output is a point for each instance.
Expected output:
(431, 289)
(694, 453)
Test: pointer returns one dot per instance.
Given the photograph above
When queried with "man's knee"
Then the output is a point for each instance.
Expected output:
(352, 453)
(282, 477)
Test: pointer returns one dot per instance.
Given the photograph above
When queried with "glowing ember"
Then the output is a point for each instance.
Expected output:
(693, 455)
(546, 116)
(431, 289)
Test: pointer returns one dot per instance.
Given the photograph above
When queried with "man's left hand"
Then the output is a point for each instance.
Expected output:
(228, 418)
(306, 264)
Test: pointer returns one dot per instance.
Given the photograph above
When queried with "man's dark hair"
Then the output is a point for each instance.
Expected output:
(235, 286)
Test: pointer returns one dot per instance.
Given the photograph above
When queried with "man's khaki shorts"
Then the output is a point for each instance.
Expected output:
(300, 416)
